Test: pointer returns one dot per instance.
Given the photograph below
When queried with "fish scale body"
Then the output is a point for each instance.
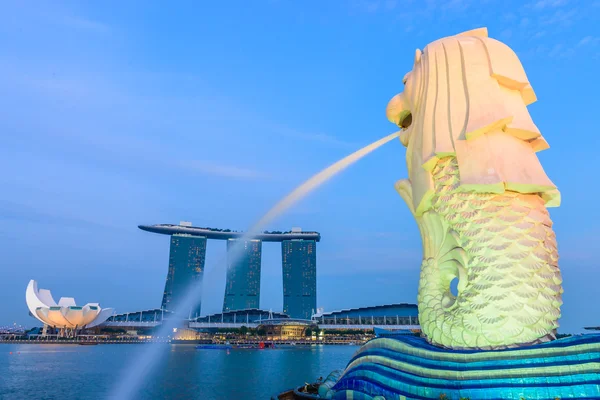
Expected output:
(503, 250)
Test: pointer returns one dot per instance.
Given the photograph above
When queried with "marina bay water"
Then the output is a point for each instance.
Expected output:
(90, 372)
(141, 366)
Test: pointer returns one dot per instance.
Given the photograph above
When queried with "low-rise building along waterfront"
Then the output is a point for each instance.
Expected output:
(389, 316)
(65, 316)
(146, 318)
(249, 318)
(392, 316)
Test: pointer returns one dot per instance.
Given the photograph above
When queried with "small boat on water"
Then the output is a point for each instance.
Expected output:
(88, 343)
(308, 391)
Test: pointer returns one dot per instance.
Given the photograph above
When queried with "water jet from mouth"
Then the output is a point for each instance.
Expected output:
(131, 381)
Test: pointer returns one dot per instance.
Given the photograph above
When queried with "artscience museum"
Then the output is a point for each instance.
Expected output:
(65, 316)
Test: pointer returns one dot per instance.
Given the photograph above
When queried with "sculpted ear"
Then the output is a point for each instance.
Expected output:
(507, 69)
(418, 54)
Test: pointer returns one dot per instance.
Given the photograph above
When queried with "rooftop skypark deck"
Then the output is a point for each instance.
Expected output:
(224, 234)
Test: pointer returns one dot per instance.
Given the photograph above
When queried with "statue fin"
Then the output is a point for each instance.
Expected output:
(404, 189)
(481, 32)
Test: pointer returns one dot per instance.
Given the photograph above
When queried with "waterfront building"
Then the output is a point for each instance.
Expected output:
(66, 315)
(186, 264)
(299, 264)
(236, 318)
(387, 316)
(186, 268)
(242, 288)
(143, 318)
(392, 317)
(285, 328)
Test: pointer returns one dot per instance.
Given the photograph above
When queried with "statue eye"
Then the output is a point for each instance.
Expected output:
(404, 81)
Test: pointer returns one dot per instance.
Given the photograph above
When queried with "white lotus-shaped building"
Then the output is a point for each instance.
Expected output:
(65, 314)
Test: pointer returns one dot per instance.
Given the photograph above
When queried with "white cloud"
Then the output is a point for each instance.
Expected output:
(538, 35)
(390, 4)
(308, 136)
(362, 259)
(543, 4)
(560, 51)
(83, 23)
(506, 34)
(555, 50)
(560, 17)
(368, 6)
(588, 40)
(52, 13)
(222, 170)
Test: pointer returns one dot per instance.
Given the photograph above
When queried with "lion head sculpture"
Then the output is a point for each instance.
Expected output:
(467, 97)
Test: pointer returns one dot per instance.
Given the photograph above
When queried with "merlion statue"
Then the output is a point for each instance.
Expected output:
(479, 195)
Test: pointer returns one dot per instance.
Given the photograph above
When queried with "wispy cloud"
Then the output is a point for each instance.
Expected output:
(222, 170)
(374, 259)
(390, 4)
(506, 34)
(560, 51)
(544, 4)
(82, 23)
(312, 137)
(547, 26)
(368, 6)
(454, 4)
(538, 35)
(24, 213)
(588, 40)
(561, 18)
(54, 14)
(509, 17)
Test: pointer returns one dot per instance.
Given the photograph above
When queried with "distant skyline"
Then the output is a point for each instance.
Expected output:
(119, 114)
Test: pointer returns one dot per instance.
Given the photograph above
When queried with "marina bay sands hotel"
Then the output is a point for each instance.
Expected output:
(242, 290)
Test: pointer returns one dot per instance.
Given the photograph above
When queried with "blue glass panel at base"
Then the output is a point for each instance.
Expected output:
(406, 367)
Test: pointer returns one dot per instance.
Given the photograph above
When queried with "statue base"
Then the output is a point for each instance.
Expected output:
(407, 367)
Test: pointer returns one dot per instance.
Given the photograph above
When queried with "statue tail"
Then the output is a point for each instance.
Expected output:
(502, 250)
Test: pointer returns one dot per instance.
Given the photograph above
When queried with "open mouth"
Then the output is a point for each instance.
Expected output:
(405, 120)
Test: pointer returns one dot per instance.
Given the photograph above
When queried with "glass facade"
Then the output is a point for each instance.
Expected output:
(186, 267)
(299, 263)
(242, 289)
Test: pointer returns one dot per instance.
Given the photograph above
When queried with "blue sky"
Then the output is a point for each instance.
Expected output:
(115, 114)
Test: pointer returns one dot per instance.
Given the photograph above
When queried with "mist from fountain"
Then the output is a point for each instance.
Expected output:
(142, 365)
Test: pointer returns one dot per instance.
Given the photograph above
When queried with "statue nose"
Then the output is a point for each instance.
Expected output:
(397, 108)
